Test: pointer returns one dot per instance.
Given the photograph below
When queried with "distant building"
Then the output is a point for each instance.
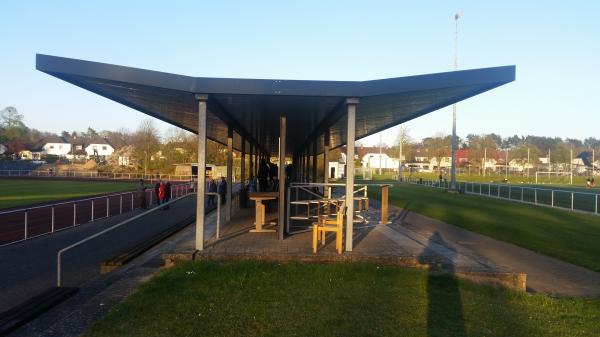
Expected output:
(51, 145)
(99, 147)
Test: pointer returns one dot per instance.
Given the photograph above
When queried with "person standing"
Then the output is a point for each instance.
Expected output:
(167, 193)
(162, 193)
(222, 189)
(156, 192)
(141, 191)
(212, 188)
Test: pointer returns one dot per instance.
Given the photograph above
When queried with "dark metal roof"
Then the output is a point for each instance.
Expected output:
(253, 106)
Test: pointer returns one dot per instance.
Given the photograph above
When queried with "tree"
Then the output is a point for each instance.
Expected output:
(146, 142)
(11, 118)
(480, 145)
(439, 146)
(91, 132)
(404, 148)
(65, 135)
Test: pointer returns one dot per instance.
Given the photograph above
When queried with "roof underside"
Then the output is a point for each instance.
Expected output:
(252, 107)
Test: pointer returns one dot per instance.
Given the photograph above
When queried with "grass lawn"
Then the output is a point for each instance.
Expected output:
(25, 192)
(569, 236)
(266, 299)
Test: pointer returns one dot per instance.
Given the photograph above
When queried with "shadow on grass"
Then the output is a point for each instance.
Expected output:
(444, 308)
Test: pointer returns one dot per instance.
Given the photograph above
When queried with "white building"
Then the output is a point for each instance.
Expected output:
(376, 161)
(52, 145)
(2, 148)
(336, 170)
(99, 147)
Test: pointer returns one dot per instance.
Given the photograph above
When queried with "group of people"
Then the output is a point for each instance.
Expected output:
(213, 187)
(267, 176)
(162, 192)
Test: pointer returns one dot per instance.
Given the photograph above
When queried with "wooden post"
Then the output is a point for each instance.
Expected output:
(384, 205)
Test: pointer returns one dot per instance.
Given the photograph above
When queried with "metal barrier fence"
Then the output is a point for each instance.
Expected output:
(80, 242)
(557, 198)
(26, 223)
(94, 175)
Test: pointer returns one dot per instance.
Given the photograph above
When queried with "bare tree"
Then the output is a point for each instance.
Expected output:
(146, 141)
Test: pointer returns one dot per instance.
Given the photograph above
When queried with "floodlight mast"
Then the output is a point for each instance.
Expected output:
(454, 140)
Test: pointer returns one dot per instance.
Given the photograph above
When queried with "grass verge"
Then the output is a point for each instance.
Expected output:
(15, 193)
(267, 299)
(569, 236)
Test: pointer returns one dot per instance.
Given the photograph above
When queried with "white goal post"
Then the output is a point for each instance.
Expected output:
(560, 176)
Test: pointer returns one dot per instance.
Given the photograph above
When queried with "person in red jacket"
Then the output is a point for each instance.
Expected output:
(162, 193)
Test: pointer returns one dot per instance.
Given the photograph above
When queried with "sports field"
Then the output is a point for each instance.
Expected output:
(15, 193)
(569, 236)
(344, 299)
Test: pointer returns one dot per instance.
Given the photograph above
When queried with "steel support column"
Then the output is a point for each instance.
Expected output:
(326, 157)
(315, 173)
(201, 170)
(282, 178)
(251, 163)
(243, 163)
(228, 206)
(351, 135)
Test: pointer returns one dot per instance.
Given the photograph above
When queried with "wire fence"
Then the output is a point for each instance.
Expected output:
(94, 175)
(26, 223)
(567, 199)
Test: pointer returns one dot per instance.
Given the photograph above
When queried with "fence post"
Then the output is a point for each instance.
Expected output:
(121, 204)
(552, 199)
(596, 210)
(498, 186)
(535, 195)
(52, 220)
(92, 210)
(572, 200)
(107, 206)
(25, 234)
(131, 201)
(521, 193)
(218, 214)
(479, 188)
(74, 214)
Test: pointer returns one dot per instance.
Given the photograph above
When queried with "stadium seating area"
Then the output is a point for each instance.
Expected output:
(19, 165)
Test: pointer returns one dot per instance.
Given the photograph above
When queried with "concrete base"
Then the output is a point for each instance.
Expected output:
(509, 280)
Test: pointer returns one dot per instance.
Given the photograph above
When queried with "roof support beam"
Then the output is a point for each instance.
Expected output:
(228, 206)
(282, 177)
(201, 184)
(351, 104)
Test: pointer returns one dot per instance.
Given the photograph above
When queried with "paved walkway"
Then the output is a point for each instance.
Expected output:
(29, 267)
(544, 274)
(97, 295)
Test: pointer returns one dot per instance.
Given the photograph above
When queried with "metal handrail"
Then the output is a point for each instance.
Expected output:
(80, 242)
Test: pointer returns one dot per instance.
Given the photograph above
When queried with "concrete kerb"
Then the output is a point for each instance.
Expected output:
(509, 280)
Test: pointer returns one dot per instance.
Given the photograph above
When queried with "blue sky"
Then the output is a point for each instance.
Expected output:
(555, 46)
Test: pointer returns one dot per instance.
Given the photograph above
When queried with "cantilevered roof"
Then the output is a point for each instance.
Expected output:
(253, 106)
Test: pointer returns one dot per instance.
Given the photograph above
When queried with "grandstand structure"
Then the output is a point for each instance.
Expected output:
(292, 120)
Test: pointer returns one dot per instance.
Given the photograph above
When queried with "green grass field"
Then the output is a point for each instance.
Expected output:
(266, 299)
(569, 236)
(26, 192)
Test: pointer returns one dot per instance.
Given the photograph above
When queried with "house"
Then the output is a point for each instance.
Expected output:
(51, 145)
(99, 147)
(77, 150)
(376, 161)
